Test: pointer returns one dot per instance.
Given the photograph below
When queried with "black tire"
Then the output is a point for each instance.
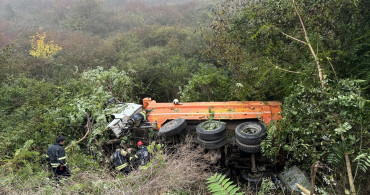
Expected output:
(213, 134)
(256, 132)
(255, 181)
(248, 148)
(172, 127)
(212, 144)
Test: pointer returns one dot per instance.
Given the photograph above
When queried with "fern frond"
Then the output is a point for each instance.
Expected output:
(225, 180)
(218, 176)
(221, 179)
(230, 188)
(234, 191)
(363, 161)
(228, 184)
(216, 188)
(219, 184)
(220, 193)
(337, 155)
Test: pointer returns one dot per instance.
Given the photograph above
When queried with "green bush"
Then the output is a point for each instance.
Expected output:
(25, 160)
(322, 124)
(209, 84)
(40, 111)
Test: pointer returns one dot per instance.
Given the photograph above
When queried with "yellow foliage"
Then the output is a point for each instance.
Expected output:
(40, 49)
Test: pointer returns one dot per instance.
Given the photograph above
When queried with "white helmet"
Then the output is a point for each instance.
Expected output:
(176, 101)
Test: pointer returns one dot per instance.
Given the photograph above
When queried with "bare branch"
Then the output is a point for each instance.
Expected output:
(314, 169)
(277, 67)
(293, 38)
(300, 19)
(84, 137)
(87, 132)
(310, 46)
(349, 172)
(303, 189)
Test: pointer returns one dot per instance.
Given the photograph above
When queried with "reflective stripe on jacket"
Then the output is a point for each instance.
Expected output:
(144, 115)
(121, 167)
(56, 155)
(118, 159)
(54, 165)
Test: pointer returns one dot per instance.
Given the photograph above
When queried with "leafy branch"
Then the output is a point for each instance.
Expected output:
(277, 67)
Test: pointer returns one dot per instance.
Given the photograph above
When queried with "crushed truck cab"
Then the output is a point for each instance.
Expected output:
(120, 120)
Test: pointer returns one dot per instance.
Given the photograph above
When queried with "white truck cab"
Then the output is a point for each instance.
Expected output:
(120, 118)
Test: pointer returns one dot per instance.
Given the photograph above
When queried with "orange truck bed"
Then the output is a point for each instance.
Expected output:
(232, 110)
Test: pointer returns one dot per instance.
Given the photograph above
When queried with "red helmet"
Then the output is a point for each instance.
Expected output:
(139, 143)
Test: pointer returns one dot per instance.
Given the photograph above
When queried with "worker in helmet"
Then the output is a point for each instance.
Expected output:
(119, 159)
(142, 155)
(136, 119)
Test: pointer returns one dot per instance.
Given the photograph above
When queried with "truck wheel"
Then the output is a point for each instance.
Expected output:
(212, 144)
(248, 148)
(250, 133)
(173, 127)
(211, 130)
(255, 180)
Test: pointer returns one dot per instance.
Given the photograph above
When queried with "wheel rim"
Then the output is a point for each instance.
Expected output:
(250, 130)
(211, 125)
(255, 175)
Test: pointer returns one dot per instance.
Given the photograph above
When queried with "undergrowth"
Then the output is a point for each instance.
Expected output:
(182, 172)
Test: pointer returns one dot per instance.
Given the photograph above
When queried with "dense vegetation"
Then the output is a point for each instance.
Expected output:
(61, 60)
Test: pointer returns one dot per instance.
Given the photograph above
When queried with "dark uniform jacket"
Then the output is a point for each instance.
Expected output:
(118, 158)
(143, 156)
(57, 155)
(137, 118)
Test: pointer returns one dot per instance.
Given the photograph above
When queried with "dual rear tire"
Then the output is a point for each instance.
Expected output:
(249, 136)
(211, 134)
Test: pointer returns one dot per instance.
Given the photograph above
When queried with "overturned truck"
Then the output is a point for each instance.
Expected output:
(243, 122)
(171, 118)
(247, 117)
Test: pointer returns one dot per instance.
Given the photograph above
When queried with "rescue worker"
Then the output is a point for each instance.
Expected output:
(57, 157)
(119, 159)
(136, 119)
(142, 155)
